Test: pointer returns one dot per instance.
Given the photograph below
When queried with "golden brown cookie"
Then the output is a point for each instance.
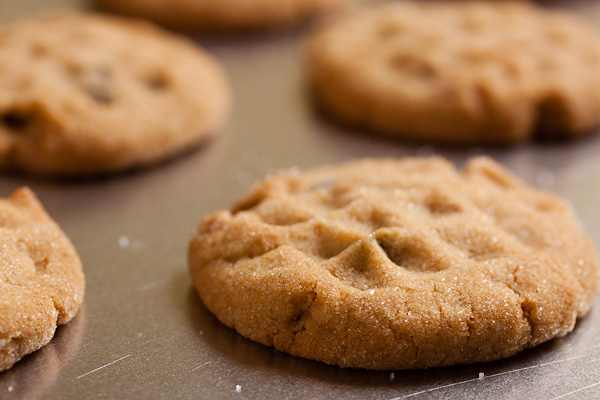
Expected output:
(459, 72)
(221, 15)
(41, 280)
(87, 94)
(387, 264)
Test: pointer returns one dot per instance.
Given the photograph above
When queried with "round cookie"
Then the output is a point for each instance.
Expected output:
(86, 94)
(459, 72)
(41, 280)
(386, 264)
(233, 15)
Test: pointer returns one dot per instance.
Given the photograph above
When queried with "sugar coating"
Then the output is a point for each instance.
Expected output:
(387, 264)
(222, 15)
(87, 94)
(41, 280)
(459, 72)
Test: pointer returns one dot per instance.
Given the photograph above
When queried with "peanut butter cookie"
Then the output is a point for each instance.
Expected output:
(386, 264)
(459, 72)
(41, 280)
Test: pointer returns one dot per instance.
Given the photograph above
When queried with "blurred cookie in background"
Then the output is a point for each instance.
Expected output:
(459, 72)
(221, 15)
(83, 94)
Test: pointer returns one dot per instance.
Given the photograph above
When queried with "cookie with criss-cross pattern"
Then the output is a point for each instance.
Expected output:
(387, 264)
(41, 280)
(87, 94)
(459, 72)
(222, 15)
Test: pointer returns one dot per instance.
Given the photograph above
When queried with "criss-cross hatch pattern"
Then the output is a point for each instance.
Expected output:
(390, 264)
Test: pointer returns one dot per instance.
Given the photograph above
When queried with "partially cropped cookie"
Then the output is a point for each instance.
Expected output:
(41, 280)
(221, 15)
(459, 72)
(88, 94)
(387, 264)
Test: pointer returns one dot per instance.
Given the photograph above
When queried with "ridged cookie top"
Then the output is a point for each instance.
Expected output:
(83, 94)
(460, 72)
(389, 264)
(41, 280)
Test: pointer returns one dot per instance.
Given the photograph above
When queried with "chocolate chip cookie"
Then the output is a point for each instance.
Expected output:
(88, 94)
(459, 72)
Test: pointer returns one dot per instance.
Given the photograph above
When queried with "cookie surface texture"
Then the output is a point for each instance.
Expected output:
(453, 72)
(83, 94)
(386, 264)
(222, 15)
(41, 280)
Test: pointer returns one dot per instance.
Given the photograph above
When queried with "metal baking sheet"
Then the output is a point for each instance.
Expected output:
(142, 331)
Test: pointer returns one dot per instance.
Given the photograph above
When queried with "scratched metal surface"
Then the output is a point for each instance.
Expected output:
(143, 333)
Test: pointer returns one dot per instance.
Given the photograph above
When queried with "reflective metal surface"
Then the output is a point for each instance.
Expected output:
(142, 331)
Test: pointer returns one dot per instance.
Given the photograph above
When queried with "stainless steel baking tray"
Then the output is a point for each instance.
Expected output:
(143, 332)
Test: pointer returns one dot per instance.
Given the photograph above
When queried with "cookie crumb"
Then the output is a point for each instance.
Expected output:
(238, 388)
(481, 375)
(123, 242)
(392, 376)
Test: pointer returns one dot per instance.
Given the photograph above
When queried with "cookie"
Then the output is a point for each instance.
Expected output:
(88, 94)
(387, 264)
(41, 280)
(459, 72)
(222, 15)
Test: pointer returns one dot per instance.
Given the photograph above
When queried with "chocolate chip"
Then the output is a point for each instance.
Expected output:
(15, 120)
(98, 83)
(157, 81)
